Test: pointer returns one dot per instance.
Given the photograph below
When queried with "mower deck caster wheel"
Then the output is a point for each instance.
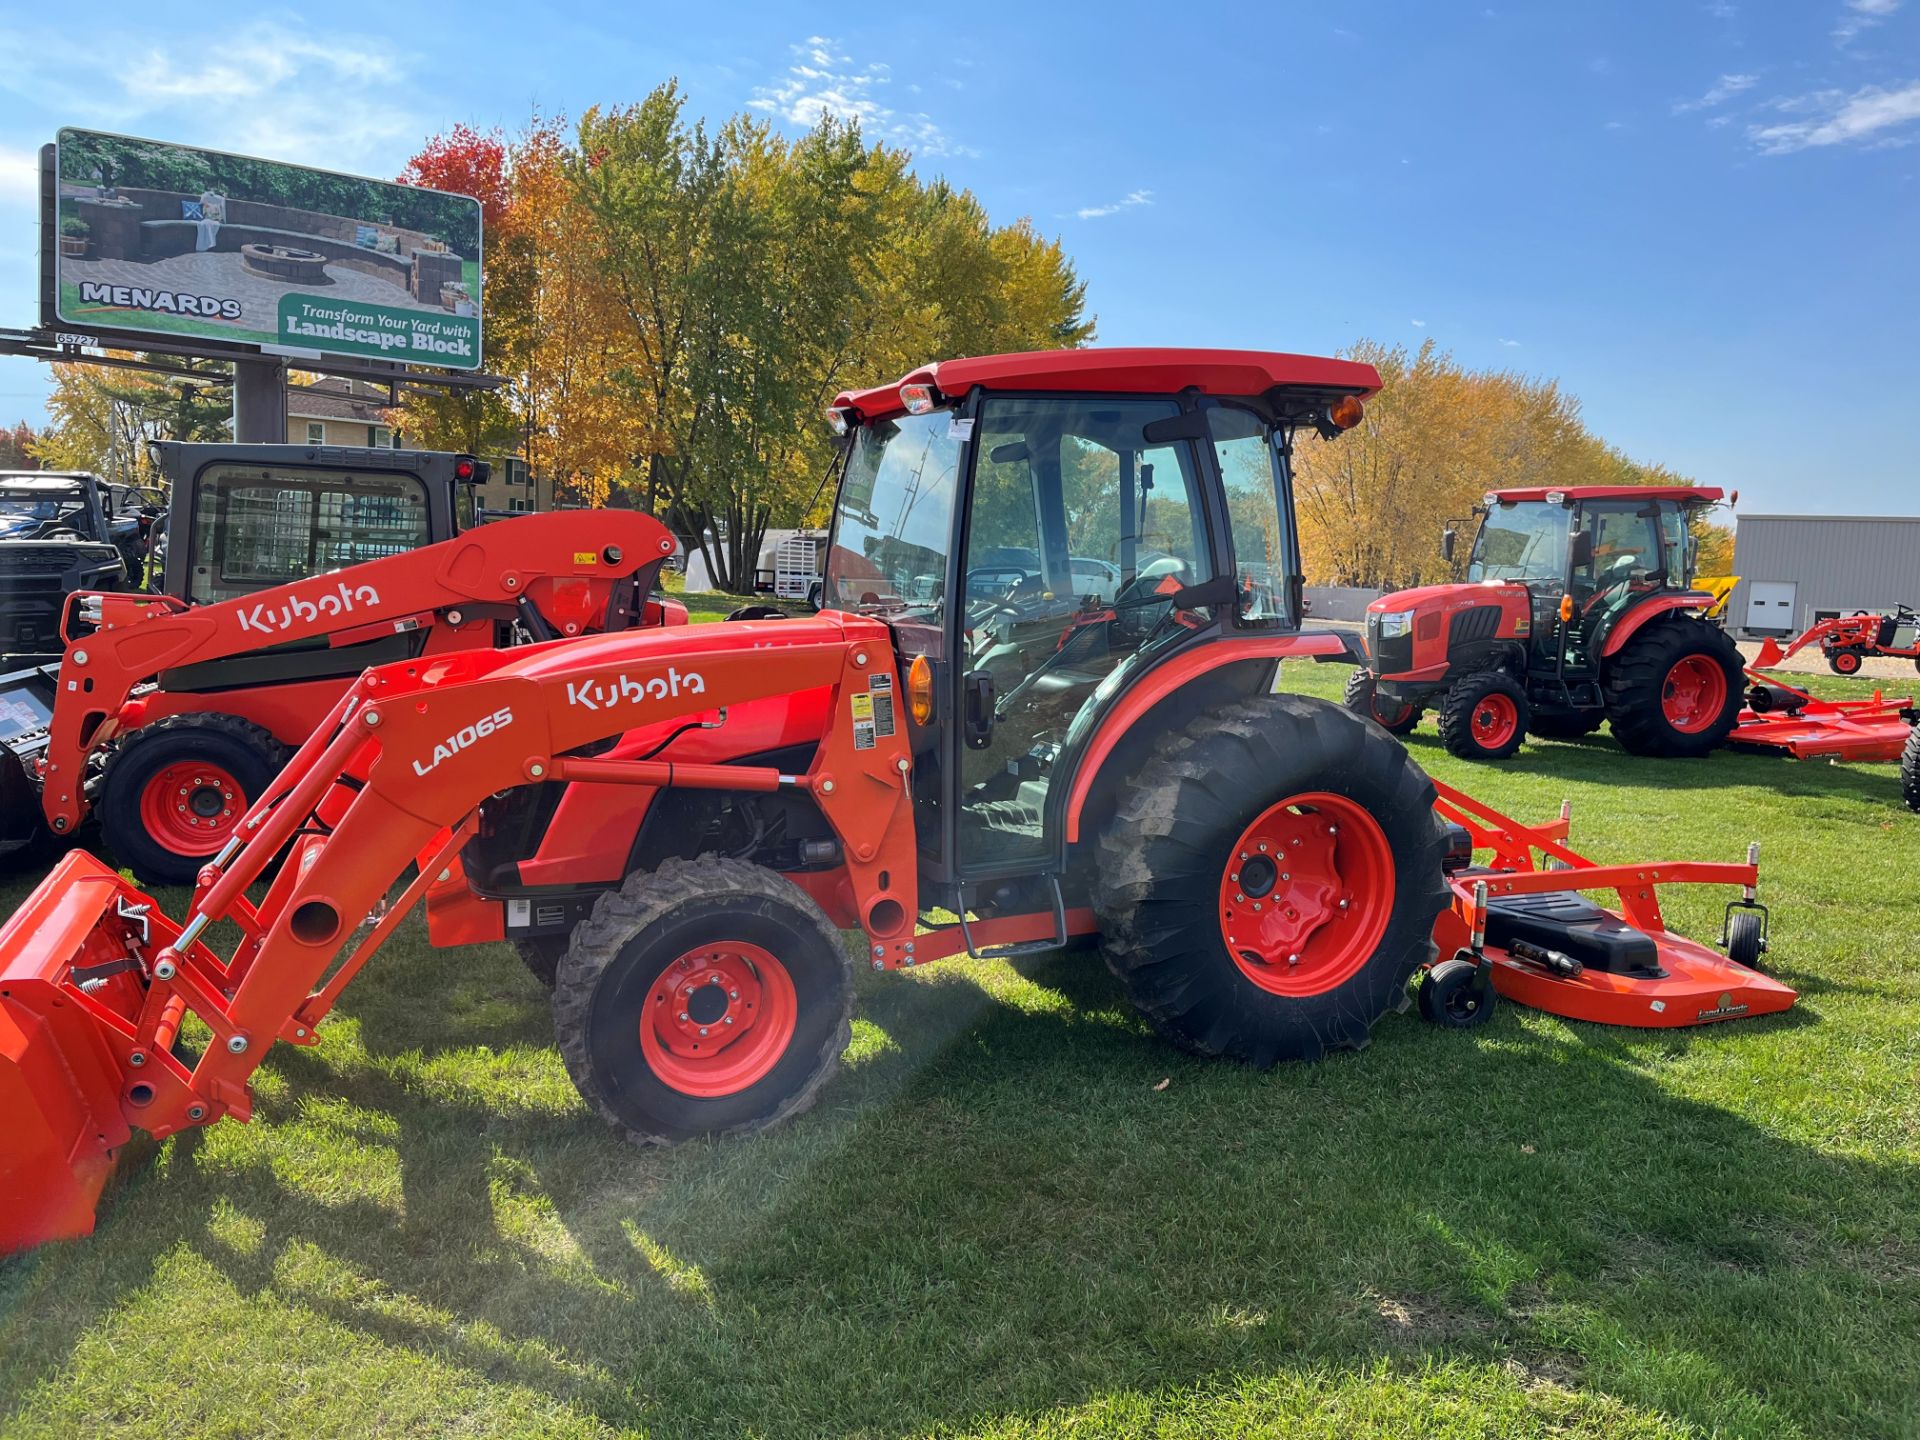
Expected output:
(1746, 939)
(1457, 996)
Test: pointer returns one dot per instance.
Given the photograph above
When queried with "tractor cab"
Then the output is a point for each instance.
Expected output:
(248, 517)
(1042, 531)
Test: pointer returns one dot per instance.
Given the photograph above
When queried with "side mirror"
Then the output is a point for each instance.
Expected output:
(1448, 538)
(1580, 549)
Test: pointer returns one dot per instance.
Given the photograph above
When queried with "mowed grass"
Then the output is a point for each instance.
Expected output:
(1016, 1213)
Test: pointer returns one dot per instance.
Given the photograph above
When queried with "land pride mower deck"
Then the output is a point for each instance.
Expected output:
(1046, 719)
(169, 718)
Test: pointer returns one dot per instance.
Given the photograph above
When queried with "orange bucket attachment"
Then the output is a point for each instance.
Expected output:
(72, 977)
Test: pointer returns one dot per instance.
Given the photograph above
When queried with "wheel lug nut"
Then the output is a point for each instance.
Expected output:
(1239, 899)
(1293, 959)
(727, 1021)
(683, 1014)
(703, 1029)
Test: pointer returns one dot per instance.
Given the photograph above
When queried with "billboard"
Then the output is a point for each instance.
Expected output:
(174, 241)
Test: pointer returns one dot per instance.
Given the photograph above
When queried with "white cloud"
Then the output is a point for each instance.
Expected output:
(1510, 344)
(1721, 91)
(272, 89)
(1723, 9)
(1860, 15)
(19, 176)
(1836, 119)
(1419, 324)
(1135, 199)
(824, 80)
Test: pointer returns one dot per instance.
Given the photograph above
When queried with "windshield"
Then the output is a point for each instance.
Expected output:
(893, 521)
(23, 509)
(1522, 540)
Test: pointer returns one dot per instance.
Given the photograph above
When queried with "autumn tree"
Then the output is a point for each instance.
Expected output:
(103, 419)
(16, 448)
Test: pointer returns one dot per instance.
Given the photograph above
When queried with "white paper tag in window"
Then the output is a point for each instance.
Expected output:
(958, 429)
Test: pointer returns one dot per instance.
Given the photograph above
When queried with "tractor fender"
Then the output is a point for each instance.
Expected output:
(1175, 673)
(1630, 624)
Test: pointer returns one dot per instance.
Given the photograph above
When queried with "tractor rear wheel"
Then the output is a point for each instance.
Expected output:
(1270, 880)
(175, 791)
(1485, 716)
(707, 997)
(1910, 771)
(1846, 661)
(1363, 698)
(1568, 725)
(1675, 690)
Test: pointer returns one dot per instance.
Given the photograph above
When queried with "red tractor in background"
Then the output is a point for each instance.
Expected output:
(1041, 702)
(1847, 641)
(1577, 608)
(168, 714)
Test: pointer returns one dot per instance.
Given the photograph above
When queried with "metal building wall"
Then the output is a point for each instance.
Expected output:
(1836, 562)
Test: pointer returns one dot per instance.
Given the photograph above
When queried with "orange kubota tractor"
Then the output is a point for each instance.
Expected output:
(1847, 641)
(1041, 702)
(168, 713)
(1578, 607)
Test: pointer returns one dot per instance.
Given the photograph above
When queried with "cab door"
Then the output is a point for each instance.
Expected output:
(1077, 530)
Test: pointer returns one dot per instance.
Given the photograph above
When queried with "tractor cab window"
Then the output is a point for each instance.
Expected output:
(1256, 511)
(1676, 546)
(254, 527)
(1625, 547)
(1524, 541)
(1079, 530)
(893, 521)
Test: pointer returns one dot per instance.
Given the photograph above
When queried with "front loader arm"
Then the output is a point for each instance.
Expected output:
(433, 739)
(563, 565)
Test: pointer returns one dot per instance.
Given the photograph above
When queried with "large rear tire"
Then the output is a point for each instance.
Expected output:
(1675, 690)
(707, 997)
(1485, 716)
(1228, 950)
(1910, 771)
(175, 791)
(1363, 698)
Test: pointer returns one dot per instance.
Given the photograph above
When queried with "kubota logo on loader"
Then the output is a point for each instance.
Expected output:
(465, 736)
(605, 694)
(338, 601)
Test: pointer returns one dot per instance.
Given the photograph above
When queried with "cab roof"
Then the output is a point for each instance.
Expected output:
(1122, 371)
(1700, 494)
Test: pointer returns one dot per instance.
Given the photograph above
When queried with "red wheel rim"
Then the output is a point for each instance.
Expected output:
(1846, 662)
(1390, 715)
(1495, 718)
(190, 807)
(1694, 694)
(718, 1019)
(1306, 894)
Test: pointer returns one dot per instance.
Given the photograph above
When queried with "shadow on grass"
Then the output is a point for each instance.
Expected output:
(995, 1213)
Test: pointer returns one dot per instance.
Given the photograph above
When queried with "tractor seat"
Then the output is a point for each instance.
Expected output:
(1574, 926)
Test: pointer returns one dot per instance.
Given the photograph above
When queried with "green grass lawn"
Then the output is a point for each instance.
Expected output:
(1016, 1213)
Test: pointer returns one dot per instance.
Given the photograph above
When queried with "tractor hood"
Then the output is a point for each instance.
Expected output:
(1441, 597)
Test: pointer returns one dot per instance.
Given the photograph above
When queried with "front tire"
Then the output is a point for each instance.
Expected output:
(707, 997)
(1675, 690)
(1228, 950)
(1485, 716)
(1845, 662)
(1910, 771)
(1363, 698)
(175, 791)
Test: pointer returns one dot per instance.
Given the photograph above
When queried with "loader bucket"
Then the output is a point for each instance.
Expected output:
(69, 962)
(1770, 654)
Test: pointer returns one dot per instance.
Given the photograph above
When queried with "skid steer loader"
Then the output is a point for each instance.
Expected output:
(1042, 699)
(167, 714)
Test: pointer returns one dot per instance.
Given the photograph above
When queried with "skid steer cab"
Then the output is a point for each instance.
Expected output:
(1578, 607)
(1041, 703)
(289, 570)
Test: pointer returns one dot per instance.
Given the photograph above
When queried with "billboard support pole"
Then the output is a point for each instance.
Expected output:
(260, 401)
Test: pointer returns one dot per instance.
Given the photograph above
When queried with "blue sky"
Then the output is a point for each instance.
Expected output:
(1699, 215)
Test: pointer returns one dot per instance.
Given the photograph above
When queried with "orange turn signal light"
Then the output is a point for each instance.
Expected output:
(1345, 412)
(1566, 608)
(920, 691)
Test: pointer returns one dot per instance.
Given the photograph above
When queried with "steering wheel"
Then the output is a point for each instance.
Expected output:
(1017, 599)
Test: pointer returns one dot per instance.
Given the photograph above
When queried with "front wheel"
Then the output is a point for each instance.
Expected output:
(1845, 662)
(1910, 771)
(1363, 698)
(708, 997)
(175, 791)
(1270, 880)
(1485, 716)
(1456, 996)
(1675, 689)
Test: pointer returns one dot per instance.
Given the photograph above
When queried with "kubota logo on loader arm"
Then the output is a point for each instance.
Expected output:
(463, 737)
(623, 688)
(298, 610)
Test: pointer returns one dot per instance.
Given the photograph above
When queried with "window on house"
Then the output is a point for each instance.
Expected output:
(381, 438)
(316, 433)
